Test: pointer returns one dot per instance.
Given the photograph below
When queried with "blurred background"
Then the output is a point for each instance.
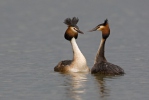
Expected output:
(32, 43)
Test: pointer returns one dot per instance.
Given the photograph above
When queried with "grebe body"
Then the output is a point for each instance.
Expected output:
(78, 63)
(101, 65)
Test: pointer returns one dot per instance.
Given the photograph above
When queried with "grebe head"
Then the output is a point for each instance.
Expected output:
(104, 28)
(73, 29)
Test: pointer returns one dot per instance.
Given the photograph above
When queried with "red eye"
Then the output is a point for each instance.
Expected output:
(75, 28)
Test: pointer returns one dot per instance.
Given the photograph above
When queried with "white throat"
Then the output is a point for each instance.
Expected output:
(76, 51)
(79, 61)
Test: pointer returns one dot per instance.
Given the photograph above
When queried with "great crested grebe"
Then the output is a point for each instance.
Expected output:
(101, 65)
(78, 64)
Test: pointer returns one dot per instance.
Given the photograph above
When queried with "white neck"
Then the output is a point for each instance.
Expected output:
(77, 54)
(79, 60)
(100, 53)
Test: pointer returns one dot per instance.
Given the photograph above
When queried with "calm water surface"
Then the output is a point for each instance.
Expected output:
(32, 43)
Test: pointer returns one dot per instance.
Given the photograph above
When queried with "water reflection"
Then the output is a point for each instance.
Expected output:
(101, 80)
(101, 84)
(76, 86)
(76, 83)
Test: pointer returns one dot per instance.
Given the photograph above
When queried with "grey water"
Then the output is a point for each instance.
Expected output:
(32, 43)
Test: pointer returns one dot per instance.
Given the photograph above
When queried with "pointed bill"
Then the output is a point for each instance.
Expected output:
(94, 29)
(79, 31)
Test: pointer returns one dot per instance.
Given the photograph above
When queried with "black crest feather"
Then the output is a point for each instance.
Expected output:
(106, 22)
(71, 22)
